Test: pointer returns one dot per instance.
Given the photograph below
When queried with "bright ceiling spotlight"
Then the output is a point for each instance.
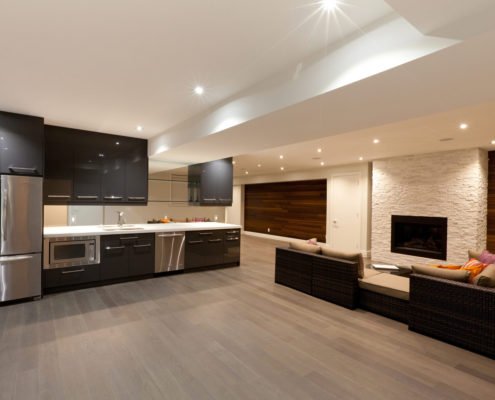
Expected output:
(199, 90)
(139, 128)
(328, 5)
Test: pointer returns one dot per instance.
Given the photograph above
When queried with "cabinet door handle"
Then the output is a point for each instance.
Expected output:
(225, 199)
(87, 197)
(233, 232)
(129, 238)
(114, 247)
(137, 246)
(20, 170)
(58, 196)
(209, 199)
(205, 233)
(214, 240)
(136, 198)
(113, 197)
(232, 239)
(195, 241)
(74, 271)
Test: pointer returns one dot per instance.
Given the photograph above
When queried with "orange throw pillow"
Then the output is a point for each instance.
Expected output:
(475, 267)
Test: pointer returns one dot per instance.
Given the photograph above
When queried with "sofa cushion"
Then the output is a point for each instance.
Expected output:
(475, 267)
(301, 245)
(474, 254)
(487, 277)
(354, 257)
(369, 272)
(387, 284)
(487, 258)
(451, 274)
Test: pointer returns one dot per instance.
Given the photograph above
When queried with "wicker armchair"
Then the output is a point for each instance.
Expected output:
(458, 313)
(330, 279)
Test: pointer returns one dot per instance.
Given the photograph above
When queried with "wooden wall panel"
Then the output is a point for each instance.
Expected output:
(291, 209)
(490, 220)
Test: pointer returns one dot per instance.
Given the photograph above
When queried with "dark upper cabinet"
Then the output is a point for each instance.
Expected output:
(211, 183)
(21, 144)
(94, 168)
(59, 166)
(136, 167)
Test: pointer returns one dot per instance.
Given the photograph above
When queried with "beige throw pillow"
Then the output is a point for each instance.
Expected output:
(301, 245)
(487, 277)
(354, 257)
(459, 275)
(474, 254)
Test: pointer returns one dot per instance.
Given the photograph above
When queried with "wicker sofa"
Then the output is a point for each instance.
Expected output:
(327, 278)
(459, 313)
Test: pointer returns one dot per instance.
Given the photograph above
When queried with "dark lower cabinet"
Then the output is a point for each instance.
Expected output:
(125, 256)
(212, 248)
(59, 277)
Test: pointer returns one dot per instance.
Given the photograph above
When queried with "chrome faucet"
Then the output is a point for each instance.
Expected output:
(121, 220)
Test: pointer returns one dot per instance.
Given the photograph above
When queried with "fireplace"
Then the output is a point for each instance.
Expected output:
(419, 236)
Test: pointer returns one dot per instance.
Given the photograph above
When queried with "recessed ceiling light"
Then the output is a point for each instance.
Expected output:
(281, 168)
(328, 5)
(233, 162)
(463, 126)
(322, 163)
(360, 158)
(199, 90)
(247, 172)
(319, 150)
(259, 165)
(281, 156)
(493, 141)
(376, 141)
(139, 128)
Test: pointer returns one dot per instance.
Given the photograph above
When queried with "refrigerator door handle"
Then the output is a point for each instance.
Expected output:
(15, 258)
(3, 217)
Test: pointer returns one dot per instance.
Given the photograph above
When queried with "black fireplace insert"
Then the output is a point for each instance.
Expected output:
(419, 236)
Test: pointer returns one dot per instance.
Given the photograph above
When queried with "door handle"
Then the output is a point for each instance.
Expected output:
(232, 239)
(214, 240)
(73, 271)
(129, 238)
(136, 198)
(20, 170)
(113, 197)
(209, 199)
(14, 258)
(195, 241)
(205, 233)
(87, 197)
(136, 246)
(58, 196)
(114, 247)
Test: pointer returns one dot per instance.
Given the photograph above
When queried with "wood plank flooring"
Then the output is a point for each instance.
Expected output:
(224, 334)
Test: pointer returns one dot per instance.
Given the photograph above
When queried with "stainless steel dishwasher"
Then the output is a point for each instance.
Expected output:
(169, 251)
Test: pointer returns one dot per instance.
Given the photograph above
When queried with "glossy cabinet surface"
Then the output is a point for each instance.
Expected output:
(93, 168)
(71, 276)
(21, 144)
(212, 248)
(211, 183)
(125, 256)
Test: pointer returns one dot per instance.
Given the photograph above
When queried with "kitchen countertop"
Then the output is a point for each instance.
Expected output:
(87, 230)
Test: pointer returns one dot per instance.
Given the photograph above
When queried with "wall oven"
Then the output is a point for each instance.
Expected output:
(60, 252)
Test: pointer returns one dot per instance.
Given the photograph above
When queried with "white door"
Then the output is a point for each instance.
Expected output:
(344, 228)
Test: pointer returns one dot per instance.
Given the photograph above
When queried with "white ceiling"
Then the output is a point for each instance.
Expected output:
(278, 74)
(112, 65)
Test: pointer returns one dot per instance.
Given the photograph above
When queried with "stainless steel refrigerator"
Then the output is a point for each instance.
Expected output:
(21, 225)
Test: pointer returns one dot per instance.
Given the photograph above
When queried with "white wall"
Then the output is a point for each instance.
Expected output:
(362, 169)
(449, 184)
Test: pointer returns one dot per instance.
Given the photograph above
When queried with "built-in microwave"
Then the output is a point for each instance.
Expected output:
(60, 252)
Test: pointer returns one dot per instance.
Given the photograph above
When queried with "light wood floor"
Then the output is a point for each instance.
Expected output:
(225, 334)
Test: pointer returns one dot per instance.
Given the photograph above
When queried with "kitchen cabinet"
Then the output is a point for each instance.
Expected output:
(125, 256)
(94, 168)
(71, 276)
(21, 144)
(211, 183)
(212, 248)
